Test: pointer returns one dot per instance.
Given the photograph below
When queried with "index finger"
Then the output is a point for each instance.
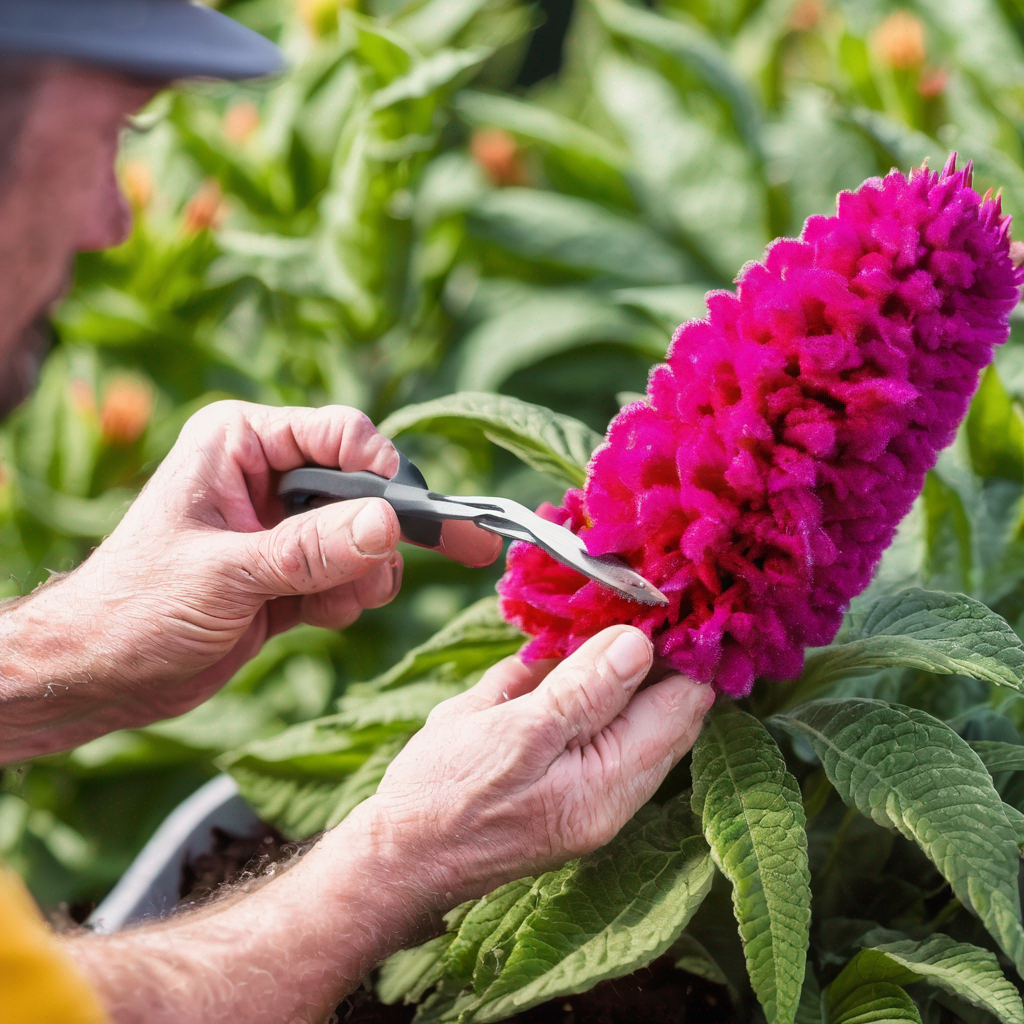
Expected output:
(335, 436)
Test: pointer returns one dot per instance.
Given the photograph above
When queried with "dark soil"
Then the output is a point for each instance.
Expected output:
(233, 858)
(656, 994)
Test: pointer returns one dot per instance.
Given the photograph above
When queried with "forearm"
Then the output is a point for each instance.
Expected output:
(289, 952)
(49, 693)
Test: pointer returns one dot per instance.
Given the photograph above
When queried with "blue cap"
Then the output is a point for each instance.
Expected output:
(158, 39)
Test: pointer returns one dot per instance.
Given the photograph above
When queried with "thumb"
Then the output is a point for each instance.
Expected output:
(322, 548)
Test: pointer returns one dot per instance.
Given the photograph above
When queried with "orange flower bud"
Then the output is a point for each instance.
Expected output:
(806, 15)
(126, 411)
(137, 182)
(240, 122)
(898, 41)
(205, 210)
(499, 157)
(933, 82)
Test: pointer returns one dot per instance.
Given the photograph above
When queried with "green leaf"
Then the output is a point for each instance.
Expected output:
(546, 324)
(904, 146)
(577, 160)
(809, 1010)
(995, 430)
(933, 631)
(600, 917)
(908, 771)
(94, 518)
(436, 23)
(998, 756)
(576, 234)
(753, 818)
(962, 970)
(460, 653)
(538, 124)
(695, 183)
(308, 777)
(694, 49)
(692, 957)
(670, 304)
(429, 76)
(876, 1003)
(549, 442)
(410, 972)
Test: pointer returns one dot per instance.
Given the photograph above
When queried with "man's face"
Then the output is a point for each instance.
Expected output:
(60, 197)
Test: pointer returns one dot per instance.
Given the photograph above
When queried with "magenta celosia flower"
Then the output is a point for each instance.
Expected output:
(786, 435)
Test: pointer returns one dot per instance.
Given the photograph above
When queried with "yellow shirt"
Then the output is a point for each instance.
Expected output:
(39, 983)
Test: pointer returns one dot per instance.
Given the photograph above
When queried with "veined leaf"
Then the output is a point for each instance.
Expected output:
(949, 634)
(545, 325)
(574, 233)
(599, 917)
(998, 756)
(694, 49)
(963, 970)
(753, 818)
(908, 771)
(876, 1003)
(470, 644)
(548, 441)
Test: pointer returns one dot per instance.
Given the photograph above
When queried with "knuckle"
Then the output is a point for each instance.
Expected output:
(294, 554)
(444, 711)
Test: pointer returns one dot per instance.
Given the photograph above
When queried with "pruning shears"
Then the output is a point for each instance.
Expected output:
(421, 512)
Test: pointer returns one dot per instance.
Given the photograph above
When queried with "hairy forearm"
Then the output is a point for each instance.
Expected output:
(50, 698)
(288, 952)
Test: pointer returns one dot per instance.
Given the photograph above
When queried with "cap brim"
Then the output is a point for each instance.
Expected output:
(158, 39)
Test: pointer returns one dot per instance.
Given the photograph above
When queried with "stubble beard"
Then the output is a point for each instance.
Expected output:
(21, 370)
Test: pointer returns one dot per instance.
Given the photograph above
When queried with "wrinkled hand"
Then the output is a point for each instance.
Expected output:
(204, 567)
(534, 765)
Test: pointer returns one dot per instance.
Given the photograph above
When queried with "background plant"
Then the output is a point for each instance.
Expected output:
(488, 270)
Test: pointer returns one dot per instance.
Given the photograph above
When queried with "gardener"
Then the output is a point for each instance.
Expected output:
(534, 765)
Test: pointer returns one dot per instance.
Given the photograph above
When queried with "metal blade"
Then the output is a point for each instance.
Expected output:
(518, 522)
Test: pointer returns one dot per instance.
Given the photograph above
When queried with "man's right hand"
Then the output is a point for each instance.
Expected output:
(200, 572)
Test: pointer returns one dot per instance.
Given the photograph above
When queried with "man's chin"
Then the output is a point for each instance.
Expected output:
(22, 367)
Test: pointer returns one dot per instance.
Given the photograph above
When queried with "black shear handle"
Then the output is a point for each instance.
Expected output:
(301, 488)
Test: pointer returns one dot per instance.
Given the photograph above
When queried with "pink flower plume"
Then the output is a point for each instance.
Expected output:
(786, 435)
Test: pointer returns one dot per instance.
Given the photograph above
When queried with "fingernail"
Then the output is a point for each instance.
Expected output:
(629, 654)
(370, 532)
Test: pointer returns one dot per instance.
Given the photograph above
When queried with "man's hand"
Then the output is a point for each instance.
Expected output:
(200, 572)
(534, 765)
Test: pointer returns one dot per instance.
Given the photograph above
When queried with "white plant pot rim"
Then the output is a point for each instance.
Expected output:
(150, 886)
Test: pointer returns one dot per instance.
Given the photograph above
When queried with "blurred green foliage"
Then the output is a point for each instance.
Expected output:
(396, 220)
